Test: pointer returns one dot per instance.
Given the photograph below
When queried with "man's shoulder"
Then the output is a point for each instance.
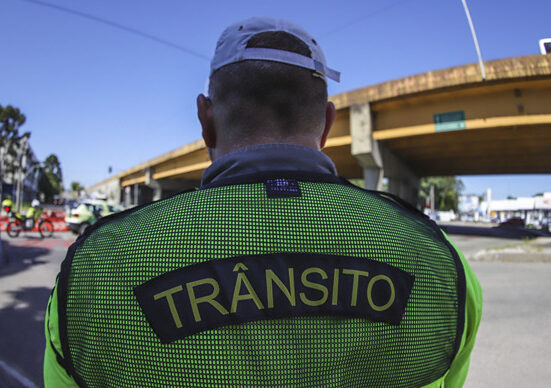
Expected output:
(126, 222)
(185, 209)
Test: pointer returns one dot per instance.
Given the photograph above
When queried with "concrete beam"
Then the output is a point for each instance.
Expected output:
(502, 70)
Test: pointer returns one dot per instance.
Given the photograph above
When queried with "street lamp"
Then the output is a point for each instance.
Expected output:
(480, 62)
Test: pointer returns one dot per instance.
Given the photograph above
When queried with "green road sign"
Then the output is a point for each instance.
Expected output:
(449, 121)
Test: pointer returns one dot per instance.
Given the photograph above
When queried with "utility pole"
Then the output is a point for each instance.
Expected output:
(432, 207)
(480, 62)
(1, 172)
(21, 173)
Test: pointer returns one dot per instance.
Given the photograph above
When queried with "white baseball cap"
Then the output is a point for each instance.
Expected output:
(232, 47)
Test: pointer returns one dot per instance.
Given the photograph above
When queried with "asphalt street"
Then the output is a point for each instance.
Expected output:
(27, 276)
(513, 346)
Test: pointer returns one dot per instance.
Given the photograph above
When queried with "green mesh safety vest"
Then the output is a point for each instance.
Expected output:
(272, 280)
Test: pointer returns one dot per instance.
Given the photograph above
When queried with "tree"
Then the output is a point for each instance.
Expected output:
(53, 166)
(50, 179)
(76, 188)
(11, 119)
(446, 191)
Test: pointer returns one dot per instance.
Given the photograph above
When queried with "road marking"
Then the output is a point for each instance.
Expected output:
(25, 382)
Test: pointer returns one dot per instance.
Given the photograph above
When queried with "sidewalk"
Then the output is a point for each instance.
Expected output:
(525, 251)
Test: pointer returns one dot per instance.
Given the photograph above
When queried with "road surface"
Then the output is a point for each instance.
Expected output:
(26, 280)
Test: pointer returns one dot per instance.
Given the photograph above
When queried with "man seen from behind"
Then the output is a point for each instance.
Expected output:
(275, 272)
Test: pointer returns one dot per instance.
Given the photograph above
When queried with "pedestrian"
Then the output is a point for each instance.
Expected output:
(7, 204)
(276, 272)
(33, 213)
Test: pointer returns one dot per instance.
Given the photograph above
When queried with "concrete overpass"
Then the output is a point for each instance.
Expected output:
(445, 122)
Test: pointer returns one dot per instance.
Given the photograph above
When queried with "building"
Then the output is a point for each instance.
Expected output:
(534, 211)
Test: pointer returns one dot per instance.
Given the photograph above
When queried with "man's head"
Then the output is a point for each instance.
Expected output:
(267, 84)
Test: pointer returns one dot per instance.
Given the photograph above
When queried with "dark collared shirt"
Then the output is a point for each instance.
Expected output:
(268, 157)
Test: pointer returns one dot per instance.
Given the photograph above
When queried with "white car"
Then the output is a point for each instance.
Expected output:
(86, 213)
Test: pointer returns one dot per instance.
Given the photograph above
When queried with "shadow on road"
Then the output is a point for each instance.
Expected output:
(498, 231)
(22, 328)
(18, 258)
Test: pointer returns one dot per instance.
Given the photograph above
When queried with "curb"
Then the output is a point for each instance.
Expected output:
(537, 250)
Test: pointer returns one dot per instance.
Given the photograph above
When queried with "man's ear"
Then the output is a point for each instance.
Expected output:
(204, 113)
(330, 114)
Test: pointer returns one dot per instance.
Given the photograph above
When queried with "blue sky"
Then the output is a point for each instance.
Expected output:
(97, 96)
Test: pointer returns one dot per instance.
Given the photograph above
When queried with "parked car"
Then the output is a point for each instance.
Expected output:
(69, 204)
(86, 213)
(515, 222)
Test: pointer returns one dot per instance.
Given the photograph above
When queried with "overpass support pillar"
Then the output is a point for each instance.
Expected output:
(136, 192)
(377, 161)
(153, 184)
(118, 192)
(127, 200)
(364, 148)
(373, 178)
(402, 180)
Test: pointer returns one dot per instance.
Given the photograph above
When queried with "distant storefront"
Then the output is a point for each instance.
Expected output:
(534, 211)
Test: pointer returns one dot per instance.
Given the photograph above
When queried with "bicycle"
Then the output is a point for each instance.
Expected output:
(19, 223)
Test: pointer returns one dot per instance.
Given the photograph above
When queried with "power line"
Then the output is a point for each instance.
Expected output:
(120, 27)
(362, 18)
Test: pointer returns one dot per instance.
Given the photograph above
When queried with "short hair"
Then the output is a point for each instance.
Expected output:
(251, 95)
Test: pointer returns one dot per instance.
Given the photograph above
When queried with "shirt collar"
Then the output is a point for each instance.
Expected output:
(268, 157)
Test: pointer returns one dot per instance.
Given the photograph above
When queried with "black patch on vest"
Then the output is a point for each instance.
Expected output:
(221, 292)
(282, 188)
